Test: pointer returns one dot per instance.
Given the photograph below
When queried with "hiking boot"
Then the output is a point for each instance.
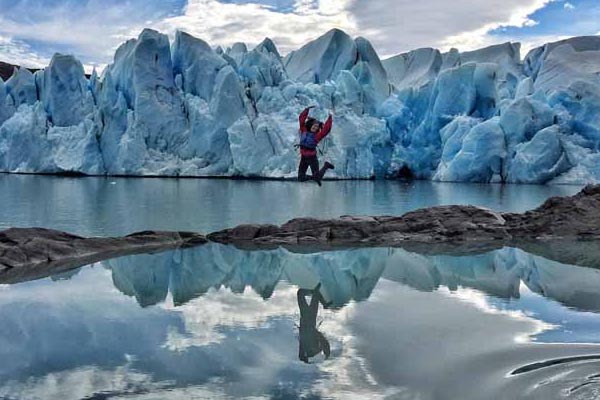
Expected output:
(318, 180)
(328, 165)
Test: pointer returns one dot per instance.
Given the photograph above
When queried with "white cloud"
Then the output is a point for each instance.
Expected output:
(91, 30)
(15, 52)
(568, 6)
(94, 32)
(224, 24)
(402, 25)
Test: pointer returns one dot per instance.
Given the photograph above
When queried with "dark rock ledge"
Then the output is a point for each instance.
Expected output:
(573, 218)
(565, 229)
(31, 253)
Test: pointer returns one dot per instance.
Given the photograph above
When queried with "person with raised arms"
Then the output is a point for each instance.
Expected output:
(312, 132)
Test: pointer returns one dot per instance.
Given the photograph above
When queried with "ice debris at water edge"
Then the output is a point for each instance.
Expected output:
(187, 109)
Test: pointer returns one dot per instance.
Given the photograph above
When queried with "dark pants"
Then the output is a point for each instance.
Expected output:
(313, 163)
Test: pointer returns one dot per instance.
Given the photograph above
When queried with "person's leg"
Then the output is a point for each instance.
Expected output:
(323, 170)
(318, 174)
(314, 301)
(313, 162)
(302, 299)
(314, 169)
(302, 168)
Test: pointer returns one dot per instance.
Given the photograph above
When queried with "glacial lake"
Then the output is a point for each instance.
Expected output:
(219, 322)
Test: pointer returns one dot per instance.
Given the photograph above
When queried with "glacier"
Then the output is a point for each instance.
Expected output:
(184, 108)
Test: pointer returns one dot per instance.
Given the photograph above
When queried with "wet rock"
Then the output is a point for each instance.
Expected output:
(576, 217)
(28, 253)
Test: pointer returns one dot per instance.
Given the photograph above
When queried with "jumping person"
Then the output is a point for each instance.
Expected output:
(311, 133)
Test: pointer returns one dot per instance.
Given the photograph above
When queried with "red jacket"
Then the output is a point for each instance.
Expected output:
(320, 134)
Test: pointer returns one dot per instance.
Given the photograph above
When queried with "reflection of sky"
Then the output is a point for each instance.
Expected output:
(64, 328)
(569, 325)
(405, 340)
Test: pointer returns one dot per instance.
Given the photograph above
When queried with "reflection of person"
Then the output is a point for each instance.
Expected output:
(312, 342)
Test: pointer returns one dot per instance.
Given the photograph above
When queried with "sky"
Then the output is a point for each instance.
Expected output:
(31, 31)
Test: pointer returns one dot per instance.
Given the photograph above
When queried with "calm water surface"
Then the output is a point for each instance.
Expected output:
(112, 206)
(219, 322)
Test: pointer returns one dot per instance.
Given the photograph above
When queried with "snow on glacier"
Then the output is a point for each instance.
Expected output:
(187, 109)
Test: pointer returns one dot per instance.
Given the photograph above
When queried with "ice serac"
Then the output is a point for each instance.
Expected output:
(23, 147)
(144, 116)
(143, 69)
(268, 46)
(209, 122)
(566, 74)
(371, 73)
(65, 93)
(197, 63)
(323, 58)
(21, 87)
(544, 65)
(507, 56)
(261, 68)
(7, 105)
(480, 156)
(413, 69)
(541, 159)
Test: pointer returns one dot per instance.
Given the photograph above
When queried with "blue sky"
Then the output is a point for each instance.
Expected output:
(559, 18)
(32, 30)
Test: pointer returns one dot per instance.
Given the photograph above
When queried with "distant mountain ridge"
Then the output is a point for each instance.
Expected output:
(6, 70)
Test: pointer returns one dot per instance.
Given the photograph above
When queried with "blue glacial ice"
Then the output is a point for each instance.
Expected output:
(184, 108)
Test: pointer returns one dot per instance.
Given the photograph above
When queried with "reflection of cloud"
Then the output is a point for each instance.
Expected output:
(436, 342)
(349, 368)
(80, 383)
(205, 317)
(221, 345)
(481, 302)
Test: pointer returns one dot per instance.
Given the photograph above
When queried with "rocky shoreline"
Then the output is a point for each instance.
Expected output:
(576, 217)
(565, 229)
(32, 253)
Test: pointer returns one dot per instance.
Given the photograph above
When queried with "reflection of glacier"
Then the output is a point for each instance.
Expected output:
(344, 275)
(184, 108)
(500, 274)
(349, 274)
